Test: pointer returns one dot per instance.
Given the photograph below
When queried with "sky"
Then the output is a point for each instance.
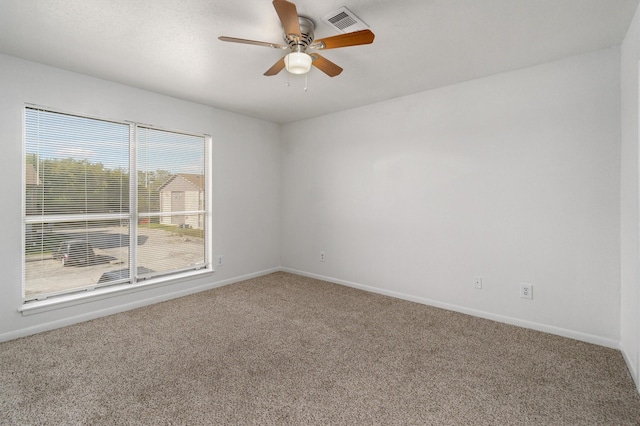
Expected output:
(54, 135)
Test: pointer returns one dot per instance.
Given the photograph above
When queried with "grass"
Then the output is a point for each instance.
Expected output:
(191, 232)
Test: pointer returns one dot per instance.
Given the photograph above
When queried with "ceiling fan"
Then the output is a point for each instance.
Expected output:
(298, 36)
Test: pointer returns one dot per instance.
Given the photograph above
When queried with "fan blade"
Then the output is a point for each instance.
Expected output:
(325, 65)
(288, 15)
(257, 43)
(276, 68)
(344, 40)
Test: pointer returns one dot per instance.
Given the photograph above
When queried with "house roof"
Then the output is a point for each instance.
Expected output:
(197, 181)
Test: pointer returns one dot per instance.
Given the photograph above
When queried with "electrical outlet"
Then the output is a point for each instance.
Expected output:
(322, 256)
(477, 282)
(526, 291)
(220, 261)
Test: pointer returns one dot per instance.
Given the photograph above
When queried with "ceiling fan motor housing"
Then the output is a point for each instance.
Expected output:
(306, 31)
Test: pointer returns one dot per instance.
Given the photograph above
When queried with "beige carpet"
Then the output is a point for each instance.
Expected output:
(284, 349)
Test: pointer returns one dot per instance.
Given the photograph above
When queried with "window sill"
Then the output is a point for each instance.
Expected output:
(74, 299)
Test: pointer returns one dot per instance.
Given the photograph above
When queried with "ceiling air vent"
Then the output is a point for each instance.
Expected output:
(345, 21)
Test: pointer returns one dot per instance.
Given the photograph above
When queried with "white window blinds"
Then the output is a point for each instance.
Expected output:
(83, 181)
(75, 165)
(171, 200)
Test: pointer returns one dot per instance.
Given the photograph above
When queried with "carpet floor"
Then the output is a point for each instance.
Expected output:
(284, 349)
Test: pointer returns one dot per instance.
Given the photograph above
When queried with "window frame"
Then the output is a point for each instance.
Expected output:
(37, 302)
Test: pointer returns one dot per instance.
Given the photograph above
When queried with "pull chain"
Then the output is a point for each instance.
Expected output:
(306, 82)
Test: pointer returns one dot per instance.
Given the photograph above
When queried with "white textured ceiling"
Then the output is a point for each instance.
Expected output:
(172, 46)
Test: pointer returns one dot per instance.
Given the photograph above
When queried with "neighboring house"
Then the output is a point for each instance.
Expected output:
(182, 193)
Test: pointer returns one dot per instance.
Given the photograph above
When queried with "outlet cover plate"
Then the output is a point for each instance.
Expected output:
(526, 291)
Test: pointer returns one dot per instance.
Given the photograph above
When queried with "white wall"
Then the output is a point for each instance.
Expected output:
(246, 183)
(514, 178)
(630, 232)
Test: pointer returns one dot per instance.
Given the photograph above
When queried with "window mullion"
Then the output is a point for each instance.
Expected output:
(133, 202)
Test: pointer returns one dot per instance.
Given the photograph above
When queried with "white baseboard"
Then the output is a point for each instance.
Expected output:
(598, 340)
(584, 337)
(632, 367)
(63, 322)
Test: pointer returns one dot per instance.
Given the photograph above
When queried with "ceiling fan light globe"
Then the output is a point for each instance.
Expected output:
(298, 63)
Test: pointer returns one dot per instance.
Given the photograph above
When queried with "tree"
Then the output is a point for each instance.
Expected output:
(71, 186)
(75, 186)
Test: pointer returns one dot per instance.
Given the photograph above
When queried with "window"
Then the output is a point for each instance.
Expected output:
(109, 202)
